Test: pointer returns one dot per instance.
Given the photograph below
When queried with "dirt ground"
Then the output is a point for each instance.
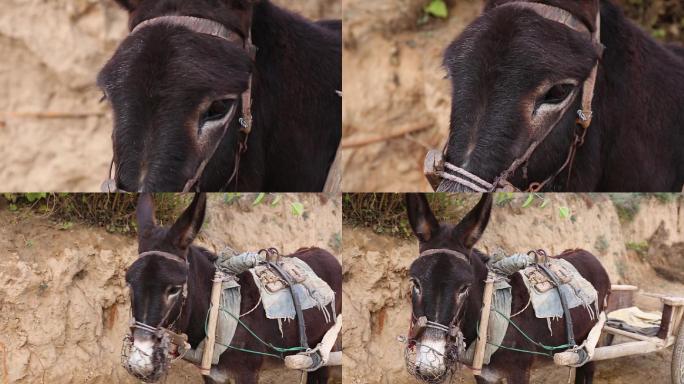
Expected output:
(50, 53)
(397, 102)
(376, 288)
(63, 303)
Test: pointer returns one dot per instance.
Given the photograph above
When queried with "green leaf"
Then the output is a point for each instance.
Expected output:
(258, 199)
(65, 225)
(297, 208)
(544, 203)
(31, 197)
(530, 199)
(276, 201)
(437, 8)
(13, 207)
(229, 197)
(564, 212)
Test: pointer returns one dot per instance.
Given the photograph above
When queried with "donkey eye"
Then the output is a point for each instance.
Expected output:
(174, 290)
(557, 94)
(217, 110)
(415, 287)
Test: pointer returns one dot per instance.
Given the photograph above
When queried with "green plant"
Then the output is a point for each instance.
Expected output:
(641, 248)
(437, 8)
(297, 208)
(601, 244)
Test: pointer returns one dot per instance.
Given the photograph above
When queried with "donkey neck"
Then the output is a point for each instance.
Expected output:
(200, 275)
(294, 68)
(634, 125)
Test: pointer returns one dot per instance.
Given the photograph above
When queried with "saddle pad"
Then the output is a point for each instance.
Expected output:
(498, 323)
(577, 291)
(312, 292)
(226, 324)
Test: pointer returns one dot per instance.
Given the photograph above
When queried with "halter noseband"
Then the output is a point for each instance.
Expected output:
(438, 169)
(212, 28)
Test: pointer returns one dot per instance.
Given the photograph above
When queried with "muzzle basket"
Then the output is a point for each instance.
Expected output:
(430, 370)
(160, 358)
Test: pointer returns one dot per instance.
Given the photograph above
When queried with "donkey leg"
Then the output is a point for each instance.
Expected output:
(585, 373)
(319, 376)
(242, 367)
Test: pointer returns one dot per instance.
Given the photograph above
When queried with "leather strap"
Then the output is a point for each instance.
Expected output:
(564, 303)
(458, 255)
(303, 342)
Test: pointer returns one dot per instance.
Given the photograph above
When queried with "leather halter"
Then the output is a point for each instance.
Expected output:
(458, 255)
(212, 28)
(437, 168)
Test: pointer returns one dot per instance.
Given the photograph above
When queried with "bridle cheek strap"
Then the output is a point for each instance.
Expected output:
(436, 168)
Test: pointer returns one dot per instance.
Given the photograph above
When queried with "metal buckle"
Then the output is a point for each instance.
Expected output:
(433, 167)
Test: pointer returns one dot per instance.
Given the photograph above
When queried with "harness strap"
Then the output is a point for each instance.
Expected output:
(303, 342)
(564, 304)
(458, 255)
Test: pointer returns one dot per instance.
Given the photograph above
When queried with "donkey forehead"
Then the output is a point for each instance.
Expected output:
(441, 270)
(155, 270)
(166, 61)
(519, 44)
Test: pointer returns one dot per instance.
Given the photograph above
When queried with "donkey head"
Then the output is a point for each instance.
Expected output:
(174, 88)
(516, 77)
(442, 276)
(158, 283)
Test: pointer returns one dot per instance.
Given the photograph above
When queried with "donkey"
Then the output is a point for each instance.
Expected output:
(224, 95)
(447, 289)
(158, 279)
(518, 79)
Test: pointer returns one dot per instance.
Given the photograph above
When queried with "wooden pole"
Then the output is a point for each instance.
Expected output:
(334, 182)
(208, 354)
(303, 361)
(478, 359)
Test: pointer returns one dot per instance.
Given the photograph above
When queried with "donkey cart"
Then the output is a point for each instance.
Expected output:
(670, 331)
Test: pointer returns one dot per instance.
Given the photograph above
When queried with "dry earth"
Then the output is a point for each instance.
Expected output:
(50, 53)
(376, 287)
(398, 84)
(63, 304)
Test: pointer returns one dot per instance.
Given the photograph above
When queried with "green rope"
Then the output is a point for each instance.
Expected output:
(280, 350)
(538, 344)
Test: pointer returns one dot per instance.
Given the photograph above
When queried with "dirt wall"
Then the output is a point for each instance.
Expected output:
(50, 53)
(376, 289)
(64, 307)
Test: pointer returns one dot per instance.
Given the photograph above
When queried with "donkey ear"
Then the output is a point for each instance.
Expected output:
(184, 230)
(129, 5)
(471, 228)
(144, 213)
(421, 218)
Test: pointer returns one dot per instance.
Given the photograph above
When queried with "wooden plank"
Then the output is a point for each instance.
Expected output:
(333, 183)
(666, 322)
(205, 368)
(625, 349)
(619, 287)
(631, 335)
(478, 358)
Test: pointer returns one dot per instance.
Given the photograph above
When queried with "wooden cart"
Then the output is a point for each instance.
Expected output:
(671, 332)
